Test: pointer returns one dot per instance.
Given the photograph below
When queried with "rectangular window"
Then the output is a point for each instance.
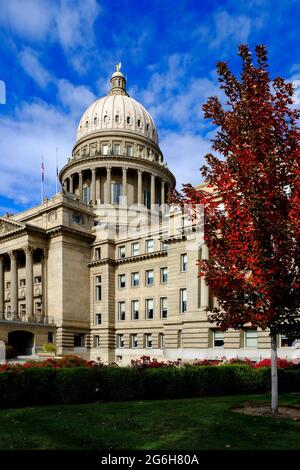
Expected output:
(23, 309)
(149, 277)
(79, 341)
(164, 246)
(122, 311)
(251, 338)
(135, 309)
(98, 318)
(116, 193)
(22, 282)
(50, 337)
(97, 253)
(148, 340)
(149, 309)
(86, 194)
(218, 339)
(161, 340)
(164, 275)
(8, 285)
(183, 262)
(135, 249)
(98, 292)
(117, 149)
(133, 341)
(286, 342)
(163, 307)
(122, 251)
(149, 246)
(120, 341)
(38, 308)
(104, 149)
(122, 281)
(147, 198)
(135, 279)
(183, 300)
(129, 151)
(96, 341)
(179, 338)
(37, 279)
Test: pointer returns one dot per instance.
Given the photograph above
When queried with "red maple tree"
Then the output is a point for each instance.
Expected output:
(253, 235)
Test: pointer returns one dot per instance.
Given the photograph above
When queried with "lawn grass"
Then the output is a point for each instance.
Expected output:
(190, 424)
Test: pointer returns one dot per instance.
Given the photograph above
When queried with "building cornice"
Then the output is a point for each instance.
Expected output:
(129, 259)
(62, 230)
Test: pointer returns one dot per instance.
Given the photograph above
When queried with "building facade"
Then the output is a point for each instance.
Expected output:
(106, 269)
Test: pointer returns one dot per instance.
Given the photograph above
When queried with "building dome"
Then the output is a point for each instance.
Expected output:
(117, 112)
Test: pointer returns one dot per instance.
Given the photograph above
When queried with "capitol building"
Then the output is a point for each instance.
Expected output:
(105, 269)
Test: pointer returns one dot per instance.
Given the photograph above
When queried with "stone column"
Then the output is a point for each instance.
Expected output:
(140, 187)
(71, 188)
(108, 185)
(80, 185)
(152, 189)
(65, 185)
(93, 195)
(29, 280)
(2, 287)
(204, 287)
(124, 181)
(44, 284)
(13, 284)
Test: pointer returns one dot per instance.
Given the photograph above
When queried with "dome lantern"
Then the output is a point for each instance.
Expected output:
(118, 82)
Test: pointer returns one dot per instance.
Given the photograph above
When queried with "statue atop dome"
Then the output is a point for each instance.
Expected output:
(118, 66)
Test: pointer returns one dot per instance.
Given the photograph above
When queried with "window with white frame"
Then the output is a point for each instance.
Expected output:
(133, 340)
(86, 196)
(105, 149)
(164, 275)
(149, 246)
(37, 279)
(218, 339)
(23, 309)
(117, 149)
(163, 307)
(79, 340)
(120, 341)
(122, 251)
(161, 340)
(135, 248)
(148, 340)
(8, 285)
(183, 300)
(250, 338)
(164, 246)
(122, 311)
(97, 253)
(116, 193)
(122, 281)
(129, 150)
(135, 309)
(149, 309)
(98, 318)
(96, 341)
(98, 288)
(135, 279)
(22, 282)
(149, 277)
(183, 262)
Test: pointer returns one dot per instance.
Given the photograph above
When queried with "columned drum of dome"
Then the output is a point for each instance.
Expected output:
(117, 133)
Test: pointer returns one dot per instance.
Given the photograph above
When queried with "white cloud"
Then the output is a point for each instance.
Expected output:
(235, 27)
(35, 130)
(74, 98)
(30, 62)
(178, 149)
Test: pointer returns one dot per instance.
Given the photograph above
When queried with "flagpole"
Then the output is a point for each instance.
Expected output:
(42, 181)
(56, 179)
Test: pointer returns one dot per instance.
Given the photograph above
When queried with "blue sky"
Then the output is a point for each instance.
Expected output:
(57, 57)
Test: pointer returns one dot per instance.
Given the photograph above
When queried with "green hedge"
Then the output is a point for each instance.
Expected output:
(36, 386)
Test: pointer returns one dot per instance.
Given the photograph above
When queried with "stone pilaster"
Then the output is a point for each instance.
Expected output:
(2, 287)
(13, 284)
(29, 250)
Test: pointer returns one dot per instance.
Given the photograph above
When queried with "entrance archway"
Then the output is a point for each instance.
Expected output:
(22, 342)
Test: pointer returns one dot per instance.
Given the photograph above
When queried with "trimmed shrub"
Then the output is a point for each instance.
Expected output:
(49, 347)
(36, 386)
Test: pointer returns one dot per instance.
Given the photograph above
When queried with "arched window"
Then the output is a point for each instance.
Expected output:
(117, 118)
(95, 121)
(147, 126)
(139, 123)
(87, 124)
(128, 119)
(105, 119)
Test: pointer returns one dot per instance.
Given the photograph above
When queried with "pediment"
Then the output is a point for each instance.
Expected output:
(8, 226)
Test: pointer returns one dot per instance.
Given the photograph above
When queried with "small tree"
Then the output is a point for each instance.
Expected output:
(254, 262)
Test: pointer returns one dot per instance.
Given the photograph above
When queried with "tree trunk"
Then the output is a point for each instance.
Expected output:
(274, 375)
